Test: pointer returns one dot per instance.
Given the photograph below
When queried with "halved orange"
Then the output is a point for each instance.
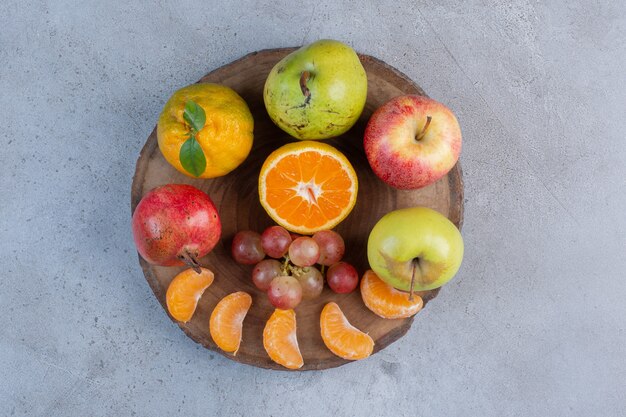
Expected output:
(307, 186)
(342, 338)
(226, 324)
(385, 301)
(280, 340)
(184, 292)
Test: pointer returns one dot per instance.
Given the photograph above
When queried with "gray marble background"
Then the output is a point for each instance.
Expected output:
(533, 325)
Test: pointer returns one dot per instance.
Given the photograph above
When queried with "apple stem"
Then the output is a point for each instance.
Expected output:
(303, 80)
(190, 260)
(421, 134)
(415, 267)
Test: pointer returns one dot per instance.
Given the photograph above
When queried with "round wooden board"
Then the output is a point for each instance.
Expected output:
(236, 198)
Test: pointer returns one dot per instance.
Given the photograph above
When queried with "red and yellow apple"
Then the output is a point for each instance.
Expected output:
(415, 248)
(412, 141)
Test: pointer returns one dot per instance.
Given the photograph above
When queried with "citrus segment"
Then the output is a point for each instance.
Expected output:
(184, 292)
(341, 338)
(280, 340)
(226, 322)
(307, 186)
(385, 301)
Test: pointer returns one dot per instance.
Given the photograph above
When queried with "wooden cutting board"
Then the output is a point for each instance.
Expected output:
(236, 198)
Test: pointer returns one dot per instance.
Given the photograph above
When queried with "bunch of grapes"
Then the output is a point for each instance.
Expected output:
(294, 269)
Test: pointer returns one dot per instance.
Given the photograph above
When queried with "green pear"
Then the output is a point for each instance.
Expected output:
(415, 249)
(317, 91)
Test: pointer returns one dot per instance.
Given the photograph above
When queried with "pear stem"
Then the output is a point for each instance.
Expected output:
(421, 134)
(304, 78)
(190, 260)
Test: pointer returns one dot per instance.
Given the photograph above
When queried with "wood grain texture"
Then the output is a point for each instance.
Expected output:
(236, 197)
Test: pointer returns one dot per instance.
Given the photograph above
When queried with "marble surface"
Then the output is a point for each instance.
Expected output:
(533, 325)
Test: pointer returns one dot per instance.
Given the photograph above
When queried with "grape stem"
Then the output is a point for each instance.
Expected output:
(285, 268)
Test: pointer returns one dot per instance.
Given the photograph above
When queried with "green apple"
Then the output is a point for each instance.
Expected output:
(416, 244)
(317, 91)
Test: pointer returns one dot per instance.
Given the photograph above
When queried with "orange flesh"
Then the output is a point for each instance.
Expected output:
(311, 172)
(385, 301)
(309, 189)
(184, 292)
(341, 338)
(226, 322)
(280, 340)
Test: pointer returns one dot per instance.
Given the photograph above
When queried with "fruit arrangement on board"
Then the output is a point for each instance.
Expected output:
(307, 187)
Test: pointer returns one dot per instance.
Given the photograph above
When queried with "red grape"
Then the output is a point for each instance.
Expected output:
(285, 292)
(312, 282)
(246, 248)
(264, 272)
(304, 251)
(342, 278)
(331, 246)
(275, 241)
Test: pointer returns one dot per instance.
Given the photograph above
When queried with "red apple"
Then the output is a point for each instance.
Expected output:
(412, 141)
(175, 225)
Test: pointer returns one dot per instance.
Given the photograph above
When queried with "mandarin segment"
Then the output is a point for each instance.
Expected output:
(307, 186)
(310, 163)
(341, 338)
(226, 322)
(277, 197)
(280, 340)
(385, 301)
(287, 170)
(184, 292)
(340, 182)
(328, 204)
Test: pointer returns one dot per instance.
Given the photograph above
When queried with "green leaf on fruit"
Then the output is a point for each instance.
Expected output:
(194, 115)
(192, 157)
